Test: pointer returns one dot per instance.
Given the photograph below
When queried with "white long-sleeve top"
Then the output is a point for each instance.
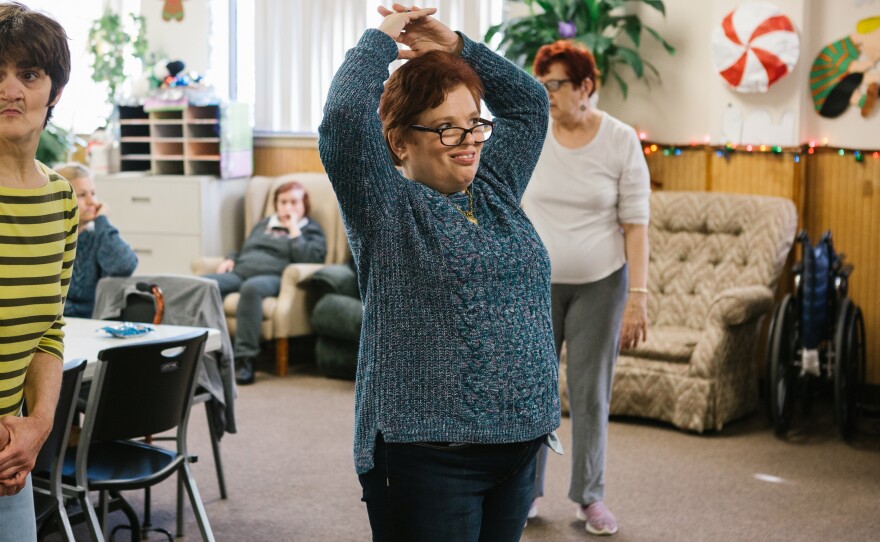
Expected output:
(578, 199)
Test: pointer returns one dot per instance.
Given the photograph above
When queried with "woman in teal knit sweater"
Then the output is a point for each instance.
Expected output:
(457, 379)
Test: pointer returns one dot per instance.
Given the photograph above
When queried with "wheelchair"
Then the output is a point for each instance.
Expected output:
(817, 334)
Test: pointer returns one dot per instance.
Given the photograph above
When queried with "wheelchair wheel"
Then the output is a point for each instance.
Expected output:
(782, 362)
(849, 366)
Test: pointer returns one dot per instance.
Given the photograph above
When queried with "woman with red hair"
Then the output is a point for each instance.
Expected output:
(286, 237)
(588, 199)
(457, 377)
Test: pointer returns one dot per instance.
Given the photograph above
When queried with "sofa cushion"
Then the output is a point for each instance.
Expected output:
(336, 279)
(669, 343)
(338, 316)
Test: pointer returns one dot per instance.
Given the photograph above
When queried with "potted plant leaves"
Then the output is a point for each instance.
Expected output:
(607, 27)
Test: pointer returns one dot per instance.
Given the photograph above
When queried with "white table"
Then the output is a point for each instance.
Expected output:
(83, 339)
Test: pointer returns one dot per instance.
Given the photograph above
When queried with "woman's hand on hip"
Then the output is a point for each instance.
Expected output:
(416, 29)
(635, 321)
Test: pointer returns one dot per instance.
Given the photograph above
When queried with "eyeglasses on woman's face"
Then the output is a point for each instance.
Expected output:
(454, 135)
(552, 85)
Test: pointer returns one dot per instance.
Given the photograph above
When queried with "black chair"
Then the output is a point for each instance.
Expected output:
(137, 390)
(147, 305)
(49, 494)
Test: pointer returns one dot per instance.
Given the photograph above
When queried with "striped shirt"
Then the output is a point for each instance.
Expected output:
(38, 229)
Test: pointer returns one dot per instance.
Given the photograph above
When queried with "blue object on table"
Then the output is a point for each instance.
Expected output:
(127, 329)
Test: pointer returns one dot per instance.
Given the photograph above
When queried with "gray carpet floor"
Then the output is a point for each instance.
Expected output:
(290, 477)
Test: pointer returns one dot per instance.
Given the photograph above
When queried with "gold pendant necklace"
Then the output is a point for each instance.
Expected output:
(469, 214)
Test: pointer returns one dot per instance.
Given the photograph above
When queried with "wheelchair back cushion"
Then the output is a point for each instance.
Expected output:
(816, 303)
(703, 243)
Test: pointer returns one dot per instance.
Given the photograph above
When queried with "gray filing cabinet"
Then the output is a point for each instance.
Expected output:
(171, 219)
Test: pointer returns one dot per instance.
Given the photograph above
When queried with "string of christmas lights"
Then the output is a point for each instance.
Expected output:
(724, 151)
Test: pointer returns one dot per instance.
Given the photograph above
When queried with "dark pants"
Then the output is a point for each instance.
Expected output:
(432, 493)
(249, 313)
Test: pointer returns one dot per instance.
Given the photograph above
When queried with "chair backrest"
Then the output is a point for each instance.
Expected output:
(51, 455)
(145, 305)
(143, 389)
(817, 289)
(703, 243)
(260, 199)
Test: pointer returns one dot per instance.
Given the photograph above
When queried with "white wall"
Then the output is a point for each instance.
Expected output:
(185, 40)
(693, 100)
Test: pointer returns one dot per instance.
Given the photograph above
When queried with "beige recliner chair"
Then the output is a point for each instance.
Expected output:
(715, 260)
(287, 315)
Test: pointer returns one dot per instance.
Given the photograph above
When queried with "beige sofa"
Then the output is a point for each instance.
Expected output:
(715, 259)
(287, 315)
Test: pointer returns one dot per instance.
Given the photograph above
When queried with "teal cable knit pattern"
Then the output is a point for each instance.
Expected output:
(457, 342)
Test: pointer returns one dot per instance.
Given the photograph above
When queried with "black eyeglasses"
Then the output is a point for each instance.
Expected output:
(553, 85)
(454, 136)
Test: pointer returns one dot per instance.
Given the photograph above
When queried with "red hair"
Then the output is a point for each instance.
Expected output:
(290, 186)
(574, 57)
(421, 84)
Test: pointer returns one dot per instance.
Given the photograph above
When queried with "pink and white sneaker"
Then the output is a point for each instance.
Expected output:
(600, 520)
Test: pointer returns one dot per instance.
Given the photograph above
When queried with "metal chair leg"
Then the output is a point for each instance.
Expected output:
(215, 445)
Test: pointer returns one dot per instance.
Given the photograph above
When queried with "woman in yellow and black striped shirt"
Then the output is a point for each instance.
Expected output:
(38, 229)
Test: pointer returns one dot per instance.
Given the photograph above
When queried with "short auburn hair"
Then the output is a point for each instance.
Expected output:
(34, 40)
(421, 84)
(288, 187)
(578, 61)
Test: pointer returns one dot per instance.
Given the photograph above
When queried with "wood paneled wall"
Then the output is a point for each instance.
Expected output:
(830, 191)
(272, 161)
(843, 196)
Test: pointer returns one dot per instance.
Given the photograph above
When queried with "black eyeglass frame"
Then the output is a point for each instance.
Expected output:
(552, 85)
(464, 131)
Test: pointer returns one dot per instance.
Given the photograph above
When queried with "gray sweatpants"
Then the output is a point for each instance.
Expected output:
(249, 312)
(588, 318)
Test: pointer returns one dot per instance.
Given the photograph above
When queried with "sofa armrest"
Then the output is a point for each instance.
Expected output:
(726, 346)
(737, 306)
(205, 264)
(291, 318)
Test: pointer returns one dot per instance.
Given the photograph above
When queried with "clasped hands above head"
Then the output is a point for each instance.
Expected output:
(416, 29)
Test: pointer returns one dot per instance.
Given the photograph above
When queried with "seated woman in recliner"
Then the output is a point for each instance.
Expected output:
(286, 237)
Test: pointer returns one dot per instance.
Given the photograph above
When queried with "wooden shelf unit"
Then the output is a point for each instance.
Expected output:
(214, 140)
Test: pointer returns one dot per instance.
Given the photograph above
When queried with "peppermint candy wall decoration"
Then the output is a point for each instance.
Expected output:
(754, 47)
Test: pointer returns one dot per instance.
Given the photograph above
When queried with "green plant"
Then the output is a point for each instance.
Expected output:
(55, 145)
(111, 44)
(598, 24)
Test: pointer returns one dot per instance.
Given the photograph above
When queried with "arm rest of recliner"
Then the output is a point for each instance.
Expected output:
(292, 310)
(205, 264)
(737, 306)
(731, 331)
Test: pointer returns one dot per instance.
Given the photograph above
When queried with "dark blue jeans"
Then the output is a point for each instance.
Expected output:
(426, 492)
